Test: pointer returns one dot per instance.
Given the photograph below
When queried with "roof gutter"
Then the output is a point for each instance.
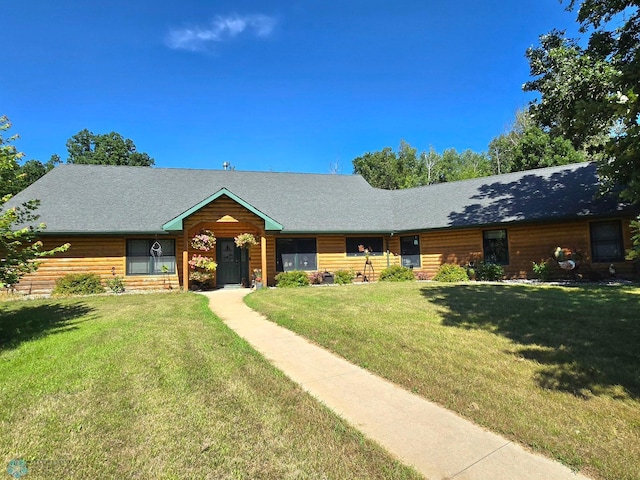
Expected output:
(49, 233)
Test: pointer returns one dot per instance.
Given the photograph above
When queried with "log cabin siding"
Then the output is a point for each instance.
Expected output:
(103, 255)
(536, 243)
(332, 255)
(449, 246)
(271, 261)
(223, 210)
(527, 243)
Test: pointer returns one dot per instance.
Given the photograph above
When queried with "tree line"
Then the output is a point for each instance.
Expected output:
(524, 147)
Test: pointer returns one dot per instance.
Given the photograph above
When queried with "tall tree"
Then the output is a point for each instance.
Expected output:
(388, 170)
(19, 247)
(432, 165)
(462, 166)
(409, 167)
(105, 149)
(527, 146)
(378, 168)
(592, 92)
(405, 169)
(9, 162)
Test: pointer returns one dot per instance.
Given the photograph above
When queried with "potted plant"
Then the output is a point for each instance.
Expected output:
(204, 241)
(257, 278)
(203, 263)
(245, 240)
(203, 270)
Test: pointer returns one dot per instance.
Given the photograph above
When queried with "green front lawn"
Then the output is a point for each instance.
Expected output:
(556, 369)
(155, 386)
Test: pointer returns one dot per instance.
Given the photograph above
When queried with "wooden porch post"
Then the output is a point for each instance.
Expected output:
(185, 262)
(263, 254)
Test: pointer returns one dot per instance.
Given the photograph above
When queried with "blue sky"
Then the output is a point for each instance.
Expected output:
(280, 85)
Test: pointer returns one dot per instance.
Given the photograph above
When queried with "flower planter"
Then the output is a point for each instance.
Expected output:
(203, 241)
(245, 240)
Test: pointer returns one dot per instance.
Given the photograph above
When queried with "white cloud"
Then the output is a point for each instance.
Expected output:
(221, 29)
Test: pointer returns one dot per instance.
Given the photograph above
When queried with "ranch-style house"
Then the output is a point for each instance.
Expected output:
(138, 223)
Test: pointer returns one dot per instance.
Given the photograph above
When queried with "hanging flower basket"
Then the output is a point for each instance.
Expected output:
(204, 241)
(245, 240)
(202, 262)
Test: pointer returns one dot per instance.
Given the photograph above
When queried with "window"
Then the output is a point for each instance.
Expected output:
(296, 254)
(144, 258)
(410, 251)
(606, 242)
(356, 246)
(495, 246)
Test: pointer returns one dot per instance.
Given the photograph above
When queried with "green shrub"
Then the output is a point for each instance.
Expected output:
(116, 284)
(541, 270)
(295, 278)
(343, 277)
(451, 273)
(78, 284)
(397, 273)
(489, 272)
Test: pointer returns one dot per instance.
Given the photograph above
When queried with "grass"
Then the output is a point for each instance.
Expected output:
(554, 368)
(155, 386)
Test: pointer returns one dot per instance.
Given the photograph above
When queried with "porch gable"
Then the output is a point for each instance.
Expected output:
(176, 224)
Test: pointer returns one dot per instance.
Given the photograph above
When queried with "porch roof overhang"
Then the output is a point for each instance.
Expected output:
(176, 224)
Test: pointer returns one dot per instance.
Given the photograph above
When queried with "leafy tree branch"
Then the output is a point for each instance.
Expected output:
(19, 246)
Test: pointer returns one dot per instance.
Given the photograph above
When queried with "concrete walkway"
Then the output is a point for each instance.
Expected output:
(435, 441)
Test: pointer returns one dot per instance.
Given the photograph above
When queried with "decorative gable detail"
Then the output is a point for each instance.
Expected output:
(227, 219)
(176, 224)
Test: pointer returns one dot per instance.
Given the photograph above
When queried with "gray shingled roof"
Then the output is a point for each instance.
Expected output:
(98, 198)
(553, 193)
(111, 199)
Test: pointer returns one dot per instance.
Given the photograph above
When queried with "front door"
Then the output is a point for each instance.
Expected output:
(228, 259)
(233, 262)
